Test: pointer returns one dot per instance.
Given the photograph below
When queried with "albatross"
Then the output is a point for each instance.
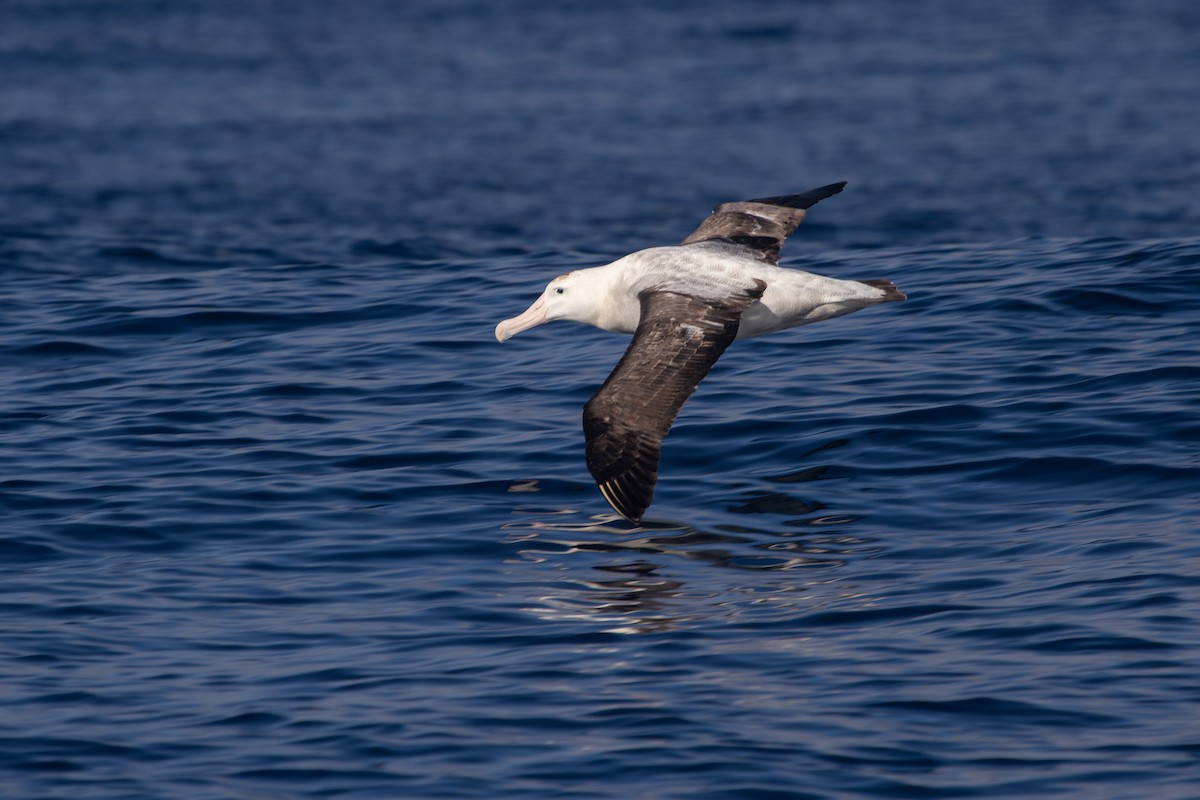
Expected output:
(684, 304)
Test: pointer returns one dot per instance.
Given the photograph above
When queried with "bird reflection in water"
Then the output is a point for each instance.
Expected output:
(610, 573)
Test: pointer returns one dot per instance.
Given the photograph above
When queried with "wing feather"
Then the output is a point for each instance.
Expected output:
(678, 339)
(761, 225)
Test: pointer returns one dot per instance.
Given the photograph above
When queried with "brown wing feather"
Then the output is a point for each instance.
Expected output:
(677, 341)
(761, 225)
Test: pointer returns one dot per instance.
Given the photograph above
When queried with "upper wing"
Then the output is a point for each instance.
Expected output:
(761, 225)
(677, 341)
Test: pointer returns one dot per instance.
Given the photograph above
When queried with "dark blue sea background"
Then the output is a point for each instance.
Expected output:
(279, 518)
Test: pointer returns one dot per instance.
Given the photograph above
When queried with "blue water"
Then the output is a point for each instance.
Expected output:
(279, 518)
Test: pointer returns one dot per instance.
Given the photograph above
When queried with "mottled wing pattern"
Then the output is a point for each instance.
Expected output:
(760, 225)
(677, 341)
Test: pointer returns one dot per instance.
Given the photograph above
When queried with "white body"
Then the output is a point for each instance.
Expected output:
(607, 296)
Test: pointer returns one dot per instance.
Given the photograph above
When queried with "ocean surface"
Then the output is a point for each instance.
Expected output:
(279, 518)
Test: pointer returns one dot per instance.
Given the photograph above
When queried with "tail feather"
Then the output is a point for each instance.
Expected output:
(890, 292)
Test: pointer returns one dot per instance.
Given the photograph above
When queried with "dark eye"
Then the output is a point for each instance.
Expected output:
(559, 290)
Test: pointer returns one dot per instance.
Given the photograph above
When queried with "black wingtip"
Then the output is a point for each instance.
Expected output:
(805, 200)
(617, 493)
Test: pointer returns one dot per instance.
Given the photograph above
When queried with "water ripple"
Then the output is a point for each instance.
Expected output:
(280, 518)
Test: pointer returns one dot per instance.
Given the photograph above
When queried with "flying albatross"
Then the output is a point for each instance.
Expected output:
(685, 304)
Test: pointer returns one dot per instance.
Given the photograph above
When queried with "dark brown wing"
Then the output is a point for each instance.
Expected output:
(761, 225)
(677, 341)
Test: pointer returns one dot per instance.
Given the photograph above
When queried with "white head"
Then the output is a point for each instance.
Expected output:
(572, 296)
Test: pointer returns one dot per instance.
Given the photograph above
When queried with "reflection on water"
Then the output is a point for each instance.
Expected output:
(661, 575)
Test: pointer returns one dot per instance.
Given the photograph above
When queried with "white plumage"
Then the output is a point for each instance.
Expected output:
(685, 304)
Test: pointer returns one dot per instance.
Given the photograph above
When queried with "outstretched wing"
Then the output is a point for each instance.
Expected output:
(677, 341)
(760, 225)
